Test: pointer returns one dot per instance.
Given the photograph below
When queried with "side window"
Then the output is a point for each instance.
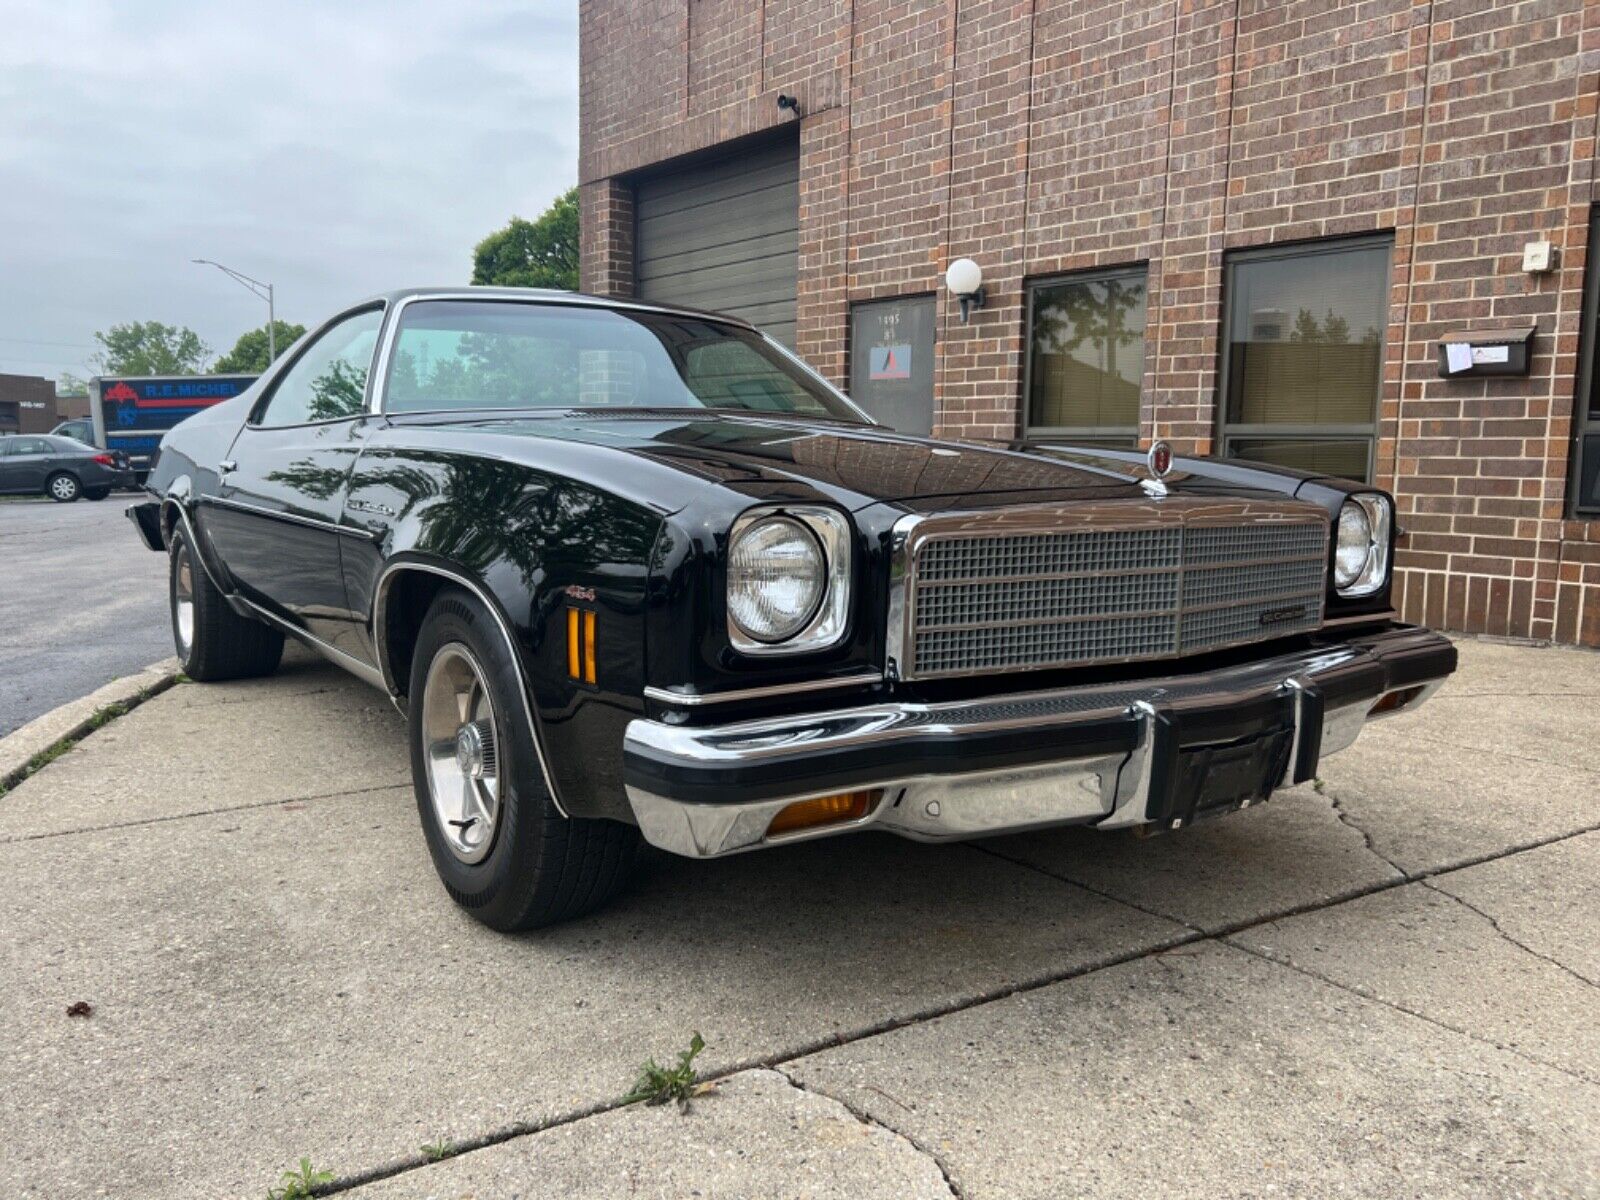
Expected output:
(29, 446)
(329, 380)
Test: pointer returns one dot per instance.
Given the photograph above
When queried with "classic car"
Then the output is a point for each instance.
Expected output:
(636, 573)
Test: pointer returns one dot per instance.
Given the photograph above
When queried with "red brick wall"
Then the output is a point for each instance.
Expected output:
(1042, 136)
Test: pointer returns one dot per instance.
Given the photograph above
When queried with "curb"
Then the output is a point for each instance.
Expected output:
(76, 717)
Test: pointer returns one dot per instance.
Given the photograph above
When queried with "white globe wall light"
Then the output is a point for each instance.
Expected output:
(964, 278)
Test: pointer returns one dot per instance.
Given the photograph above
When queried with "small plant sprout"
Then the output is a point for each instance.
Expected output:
(439, 1150)
(297, 1185)
(657, 1084)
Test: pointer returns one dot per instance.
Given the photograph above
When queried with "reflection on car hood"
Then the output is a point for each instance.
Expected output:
(855, 465)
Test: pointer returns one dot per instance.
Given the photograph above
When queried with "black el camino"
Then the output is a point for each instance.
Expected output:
(635, 572)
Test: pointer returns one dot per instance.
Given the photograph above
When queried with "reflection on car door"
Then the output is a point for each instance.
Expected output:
(275, 520)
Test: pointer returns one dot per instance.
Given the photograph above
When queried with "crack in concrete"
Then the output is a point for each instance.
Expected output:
(1346, 819)
(18, 839)
(866, 1118)
(1499, 929)
(1090, 888)
(1529, 758)
(1395, 1005)
(1191, 937)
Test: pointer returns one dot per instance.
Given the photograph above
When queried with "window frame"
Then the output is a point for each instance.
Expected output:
(1115, 436)
(259, 409)
(1226, 431)
(1585, 421)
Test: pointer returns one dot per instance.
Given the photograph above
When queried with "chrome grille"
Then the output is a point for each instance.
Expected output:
(1110, 585)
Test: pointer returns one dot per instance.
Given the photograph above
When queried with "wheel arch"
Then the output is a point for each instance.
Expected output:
(405, 588)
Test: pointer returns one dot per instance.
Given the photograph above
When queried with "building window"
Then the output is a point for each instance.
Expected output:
(1303, 339)
(1584, 488)
(1086, 357)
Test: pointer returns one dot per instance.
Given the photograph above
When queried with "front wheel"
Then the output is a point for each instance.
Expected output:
(502, 849)
(63, 488)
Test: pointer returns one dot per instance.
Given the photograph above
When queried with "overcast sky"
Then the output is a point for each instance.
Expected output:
(335, 149)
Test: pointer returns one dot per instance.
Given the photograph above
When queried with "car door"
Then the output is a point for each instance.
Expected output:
(26, 464)
(275, 517)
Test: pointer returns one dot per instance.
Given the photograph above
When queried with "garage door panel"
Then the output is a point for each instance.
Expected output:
(724, 236)
(737, 263)
(675, 195)
(754, 214)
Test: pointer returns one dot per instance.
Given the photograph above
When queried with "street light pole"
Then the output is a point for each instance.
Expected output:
(263, 290)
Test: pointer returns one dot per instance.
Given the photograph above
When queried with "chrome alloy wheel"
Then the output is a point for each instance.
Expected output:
(63, 487)
(461, 742)
(183, 600)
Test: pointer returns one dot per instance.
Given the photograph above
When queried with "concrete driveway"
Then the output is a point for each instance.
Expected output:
(82, 602)
(1384, 986)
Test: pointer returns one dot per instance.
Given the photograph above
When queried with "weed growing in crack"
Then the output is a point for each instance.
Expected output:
(440, 1150)
(102, 716)
(297, 1185)
(657, 1084)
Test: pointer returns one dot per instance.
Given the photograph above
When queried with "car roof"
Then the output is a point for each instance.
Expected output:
(546, 295)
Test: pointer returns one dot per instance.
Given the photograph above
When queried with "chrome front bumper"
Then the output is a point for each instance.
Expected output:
(1113, 755)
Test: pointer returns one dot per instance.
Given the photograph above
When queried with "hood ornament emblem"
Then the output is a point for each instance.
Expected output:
(1159, 463)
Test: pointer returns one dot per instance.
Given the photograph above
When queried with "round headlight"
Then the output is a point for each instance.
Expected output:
(776, 577)
(1354, 546)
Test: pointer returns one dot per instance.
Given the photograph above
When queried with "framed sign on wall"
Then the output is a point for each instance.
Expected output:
(891, 361)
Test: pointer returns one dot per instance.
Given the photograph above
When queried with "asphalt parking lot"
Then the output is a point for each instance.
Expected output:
(1384, 985)
(82, 602)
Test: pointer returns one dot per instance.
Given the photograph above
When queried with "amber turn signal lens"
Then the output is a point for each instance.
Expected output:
(580, 644)
(824, 810)
(1394, 700)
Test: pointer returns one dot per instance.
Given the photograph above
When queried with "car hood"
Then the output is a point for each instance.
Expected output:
(775, 458)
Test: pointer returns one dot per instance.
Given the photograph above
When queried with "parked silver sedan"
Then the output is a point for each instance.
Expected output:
(58, 467)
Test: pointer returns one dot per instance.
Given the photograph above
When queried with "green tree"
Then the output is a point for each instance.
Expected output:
(71, 384)
(541, 253)
(249, 353)
(150, 348)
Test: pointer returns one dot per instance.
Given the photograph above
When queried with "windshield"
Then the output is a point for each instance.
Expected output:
(474, 354)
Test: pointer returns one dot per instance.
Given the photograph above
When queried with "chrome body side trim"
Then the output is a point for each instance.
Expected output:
(385, 673)
(291, 518)
(363, 671)
(687, 785)
(770, 691)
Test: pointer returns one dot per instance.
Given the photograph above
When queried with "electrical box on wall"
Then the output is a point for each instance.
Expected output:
(1475, 353)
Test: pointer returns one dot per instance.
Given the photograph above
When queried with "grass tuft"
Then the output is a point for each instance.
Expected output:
(657, 1084)
(439, 1151)
(297, 1185)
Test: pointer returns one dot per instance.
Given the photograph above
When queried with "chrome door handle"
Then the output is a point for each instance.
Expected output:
(226, 466)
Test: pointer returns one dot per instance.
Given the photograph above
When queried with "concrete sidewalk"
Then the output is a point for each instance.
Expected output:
(1385, 985)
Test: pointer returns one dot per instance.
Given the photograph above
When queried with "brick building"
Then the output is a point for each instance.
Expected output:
(1243, 225)
(27, 404)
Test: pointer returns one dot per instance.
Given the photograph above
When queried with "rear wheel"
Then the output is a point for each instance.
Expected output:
(63, 487)
(99, 493)
(213, 641)
(502, 849)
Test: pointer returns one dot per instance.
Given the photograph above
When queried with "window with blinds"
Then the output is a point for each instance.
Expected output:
(1303, 337)
(1086, 357)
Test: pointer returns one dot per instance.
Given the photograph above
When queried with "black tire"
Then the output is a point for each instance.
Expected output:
(221, 644)
(63, 487)
(540, 867)
(99, 493)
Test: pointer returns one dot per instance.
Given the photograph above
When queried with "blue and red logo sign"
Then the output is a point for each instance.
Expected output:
(890, 362)
(153, 406)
